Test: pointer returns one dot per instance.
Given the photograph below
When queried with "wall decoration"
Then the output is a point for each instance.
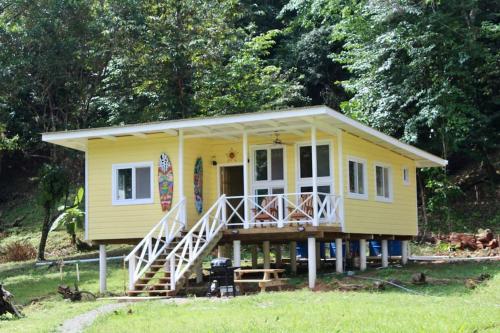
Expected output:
(165, 182)
(231, 155)
(198, 185)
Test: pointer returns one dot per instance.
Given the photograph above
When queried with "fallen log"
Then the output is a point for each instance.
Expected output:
(6, 305)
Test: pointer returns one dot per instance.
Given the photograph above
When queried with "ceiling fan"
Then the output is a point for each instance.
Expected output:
(277, 140)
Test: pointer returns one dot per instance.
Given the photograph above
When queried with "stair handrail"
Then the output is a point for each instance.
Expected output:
(207, 229)
(155, 242)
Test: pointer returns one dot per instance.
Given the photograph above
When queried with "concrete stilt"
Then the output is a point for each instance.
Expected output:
(404, 252)
(236, 253)
(385, 253)
(311, 261)
(102, 268)
(339, 261)
(362, 254)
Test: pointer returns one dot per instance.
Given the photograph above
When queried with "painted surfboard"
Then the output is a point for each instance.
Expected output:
(165, 182)
(198, 185)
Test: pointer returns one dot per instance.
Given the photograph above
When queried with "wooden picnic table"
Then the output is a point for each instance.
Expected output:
(270, 277)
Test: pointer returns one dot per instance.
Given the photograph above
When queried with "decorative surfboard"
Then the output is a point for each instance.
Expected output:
(198, 185)
(165, 182)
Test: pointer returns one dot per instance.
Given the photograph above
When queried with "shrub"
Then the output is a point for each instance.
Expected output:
(18, 251)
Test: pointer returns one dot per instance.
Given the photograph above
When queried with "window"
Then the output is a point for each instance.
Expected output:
(357, 178)
(268, 171)
(268, 164)
(324, 173)
(323, 158)
(132, 183)
(383, 183)
(406, 176)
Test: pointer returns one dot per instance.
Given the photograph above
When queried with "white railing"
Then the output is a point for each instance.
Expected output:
(155, 242)
(187, 251)
(284, 209)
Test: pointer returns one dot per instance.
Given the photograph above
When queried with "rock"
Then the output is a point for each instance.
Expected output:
(470, 283)
(493, 244)
(418, 278)
(379, 285)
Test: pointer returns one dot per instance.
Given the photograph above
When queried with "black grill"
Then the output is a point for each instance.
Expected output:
(221, 279)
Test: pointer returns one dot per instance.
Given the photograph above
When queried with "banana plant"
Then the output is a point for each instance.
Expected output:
(71, 218)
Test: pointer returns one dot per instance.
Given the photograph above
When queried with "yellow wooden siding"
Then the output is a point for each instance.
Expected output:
(107, 221)
(398, 217)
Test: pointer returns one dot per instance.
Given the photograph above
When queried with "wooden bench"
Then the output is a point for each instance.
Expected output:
(270, 278)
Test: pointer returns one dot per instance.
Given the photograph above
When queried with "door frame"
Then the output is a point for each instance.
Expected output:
(223, 165)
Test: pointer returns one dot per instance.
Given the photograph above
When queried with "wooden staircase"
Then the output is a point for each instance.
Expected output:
(163, 260)
(156, 281)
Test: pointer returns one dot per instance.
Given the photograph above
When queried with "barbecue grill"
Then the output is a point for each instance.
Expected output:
(221, 279)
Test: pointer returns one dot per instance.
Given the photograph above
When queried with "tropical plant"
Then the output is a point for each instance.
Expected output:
(71, 218)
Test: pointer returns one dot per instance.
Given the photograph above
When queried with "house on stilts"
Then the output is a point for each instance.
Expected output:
(178, 189)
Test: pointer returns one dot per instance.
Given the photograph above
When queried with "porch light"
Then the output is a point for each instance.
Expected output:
(214, 162)
(235, 231)
(301, 228)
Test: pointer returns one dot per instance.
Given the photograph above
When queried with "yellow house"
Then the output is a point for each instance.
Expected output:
(282, 176)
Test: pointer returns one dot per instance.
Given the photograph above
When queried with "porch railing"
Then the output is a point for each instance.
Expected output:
(188, 250)
(155, 242)
(280, 210)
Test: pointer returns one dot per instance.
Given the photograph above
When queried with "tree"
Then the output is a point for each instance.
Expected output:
(425, 71)
(52, 188)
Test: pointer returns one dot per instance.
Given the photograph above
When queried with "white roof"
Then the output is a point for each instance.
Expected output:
(294, 120)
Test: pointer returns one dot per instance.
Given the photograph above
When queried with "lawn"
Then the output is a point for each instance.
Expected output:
(444, 305)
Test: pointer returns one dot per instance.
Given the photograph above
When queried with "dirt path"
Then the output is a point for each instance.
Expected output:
(80, 322)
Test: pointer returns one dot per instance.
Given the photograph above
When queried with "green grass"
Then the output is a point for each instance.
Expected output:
(445, 305)
(450, 310)
(35, 289)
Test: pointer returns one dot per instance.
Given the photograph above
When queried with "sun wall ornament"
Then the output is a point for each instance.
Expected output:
(231, 155)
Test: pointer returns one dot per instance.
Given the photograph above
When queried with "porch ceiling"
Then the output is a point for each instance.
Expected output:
(296, 121)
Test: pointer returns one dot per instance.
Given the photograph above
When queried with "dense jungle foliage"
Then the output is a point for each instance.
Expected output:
(423, 71)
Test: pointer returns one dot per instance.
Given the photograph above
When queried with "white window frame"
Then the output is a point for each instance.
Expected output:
(321, 181)
(356, 195)
(391, 189)
(267, 184)
(406, 181)
(114, 176)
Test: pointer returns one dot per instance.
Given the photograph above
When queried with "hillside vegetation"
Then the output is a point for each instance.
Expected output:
(423, 71)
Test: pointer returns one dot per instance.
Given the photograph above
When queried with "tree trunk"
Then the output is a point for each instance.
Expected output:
(424, 207)
(45, 235)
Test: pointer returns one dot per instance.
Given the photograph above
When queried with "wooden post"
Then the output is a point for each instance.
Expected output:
(220, 251)
(362, 254)
(279, 261)
(385, 253)
(102, 268)
(293, 257)
(314, 176)
(267, 251)
(255, 256)
(199, 272)
(311, 261)
(181, 175)
(404, 252)
(245, 181)
(338, 256)
(237, 253)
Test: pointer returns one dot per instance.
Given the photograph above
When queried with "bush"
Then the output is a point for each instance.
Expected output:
(18, 251)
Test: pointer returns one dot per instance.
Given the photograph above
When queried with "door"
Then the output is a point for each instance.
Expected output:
(231, 184)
